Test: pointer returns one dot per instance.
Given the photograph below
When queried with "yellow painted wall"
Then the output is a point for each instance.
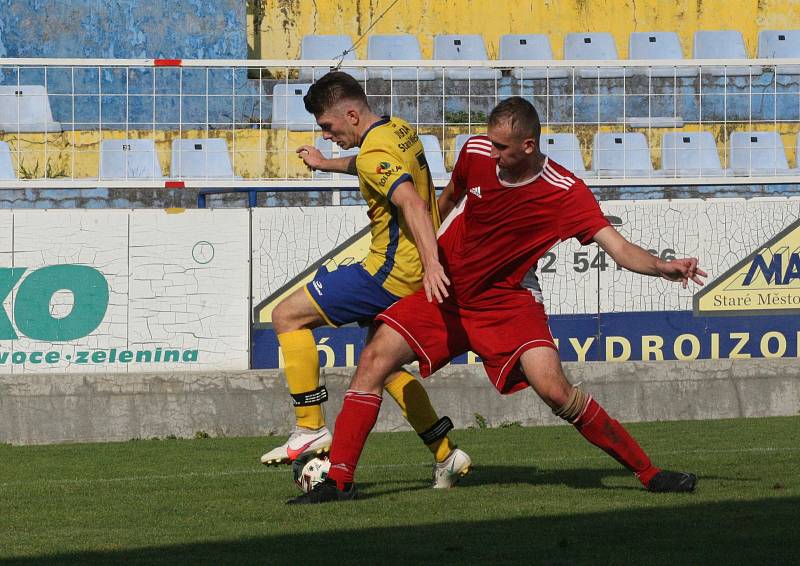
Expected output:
(287, 21)
(270, 154)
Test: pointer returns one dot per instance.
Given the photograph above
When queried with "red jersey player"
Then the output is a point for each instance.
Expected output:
(508, 204)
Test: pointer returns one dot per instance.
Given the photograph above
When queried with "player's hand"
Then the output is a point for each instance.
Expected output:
(311, 156)
(683, 270)
(435, 282)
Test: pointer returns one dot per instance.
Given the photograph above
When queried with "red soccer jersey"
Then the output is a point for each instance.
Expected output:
(497, 231)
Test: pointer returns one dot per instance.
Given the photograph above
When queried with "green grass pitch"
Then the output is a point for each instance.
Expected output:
(536, 496)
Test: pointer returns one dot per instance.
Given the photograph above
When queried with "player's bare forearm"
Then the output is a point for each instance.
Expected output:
(445, 201)
(634, 258)
(314, 160)
(418, 218)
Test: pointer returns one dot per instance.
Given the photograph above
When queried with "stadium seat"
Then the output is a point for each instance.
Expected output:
(780, 44)
(26, 108)
(201, 158)
(288, 110)
(330, 151)
(658, 45)
(6, 165)
(392, 48)
(758, 153)
(463, 48)
(690, 154)
(722, 44)
(433, 155)
(530, 47)
(622, 155)
(129, 159)
(565, 150)
(594, 46)
(327, 47)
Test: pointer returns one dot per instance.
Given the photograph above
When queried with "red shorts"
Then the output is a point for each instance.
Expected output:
(499, 335)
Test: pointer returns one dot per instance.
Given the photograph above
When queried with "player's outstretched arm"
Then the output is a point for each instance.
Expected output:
(445, 201)
(418, 217)
(634, 258)
(315, 161)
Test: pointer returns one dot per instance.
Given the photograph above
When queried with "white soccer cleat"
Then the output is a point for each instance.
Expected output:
(455, 466)
(302, 441)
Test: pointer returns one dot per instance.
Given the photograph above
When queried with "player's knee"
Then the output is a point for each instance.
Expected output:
(371, 372)
(283, 318)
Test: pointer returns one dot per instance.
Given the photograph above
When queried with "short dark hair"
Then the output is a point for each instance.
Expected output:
(520, 115)
(330, 89)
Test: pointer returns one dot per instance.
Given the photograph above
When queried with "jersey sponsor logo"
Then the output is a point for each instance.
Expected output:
(765, 282)
(476, 191)
(421, 159)
(383, 167)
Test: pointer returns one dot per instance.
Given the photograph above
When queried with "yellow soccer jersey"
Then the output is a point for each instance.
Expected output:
(391, 152)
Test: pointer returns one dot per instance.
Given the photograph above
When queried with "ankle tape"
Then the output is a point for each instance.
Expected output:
(439, 430)
(315, 397)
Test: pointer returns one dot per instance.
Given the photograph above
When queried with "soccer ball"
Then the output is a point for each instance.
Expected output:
(310, 471)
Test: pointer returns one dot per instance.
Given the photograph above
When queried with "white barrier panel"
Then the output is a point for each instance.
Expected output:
(748, 308)
(123, 290)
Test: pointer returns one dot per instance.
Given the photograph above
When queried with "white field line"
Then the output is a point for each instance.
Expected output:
(283, 469)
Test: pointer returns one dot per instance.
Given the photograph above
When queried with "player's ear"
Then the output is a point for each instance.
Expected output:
(530, 146)
(352, 116)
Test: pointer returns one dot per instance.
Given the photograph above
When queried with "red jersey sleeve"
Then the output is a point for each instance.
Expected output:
(580, 217)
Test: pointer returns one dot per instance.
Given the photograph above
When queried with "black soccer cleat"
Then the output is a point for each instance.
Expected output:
(324, 492)
(672, 482)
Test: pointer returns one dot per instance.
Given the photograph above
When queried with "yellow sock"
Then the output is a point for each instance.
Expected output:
(417, 409)
(301, 364)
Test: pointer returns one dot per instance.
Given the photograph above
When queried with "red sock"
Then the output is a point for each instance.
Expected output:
(353, 425)
(607, 434)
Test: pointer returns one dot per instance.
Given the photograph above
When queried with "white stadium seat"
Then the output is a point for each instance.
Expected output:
(722, 44)
(780, 44)
(594, 46)
(129, 159)
(658, 45)
(201, 158)
(690, 154)
(530, 47)
(622, 155)
(26, 108)
(288, 110)
(396, 47)
(433, 155)
(6, 165)
(758, 153)
(463, 48)
(327, 47)
(329, 150)
(565, 150)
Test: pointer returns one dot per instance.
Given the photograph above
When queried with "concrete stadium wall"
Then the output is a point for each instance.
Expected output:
(286, 22)
(37, 409)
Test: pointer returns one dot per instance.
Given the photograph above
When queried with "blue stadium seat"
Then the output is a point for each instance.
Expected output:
(393, 48)
(658, 45)
(6, 165)
(331, 151)
(690, 154)
(530, 47)
(26, 108)
(565, 150)
(594, 46)
(722, 44)
(201, 158)
(758, 153)
(288, 110)
(129, 159)
(780, 44)
(433, 155)
(622, 155)
(327, 47)
(463, 48)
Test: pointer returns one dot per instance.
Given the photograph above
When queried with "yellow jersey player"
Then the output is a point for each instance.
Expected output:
(403, 257)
